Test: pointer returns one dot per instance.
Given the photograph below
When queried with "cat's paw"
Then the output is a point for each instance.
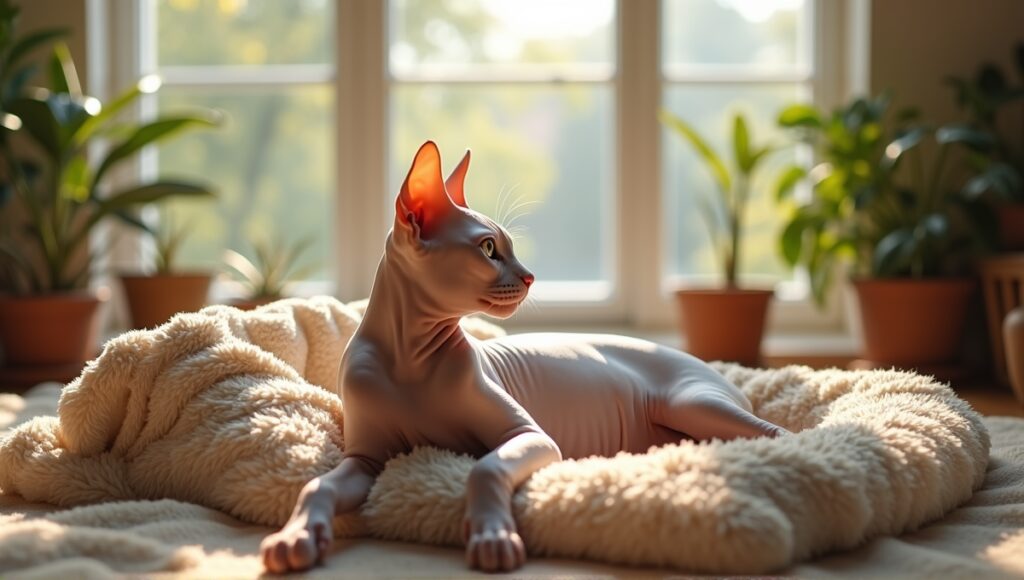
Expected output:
(492, 543)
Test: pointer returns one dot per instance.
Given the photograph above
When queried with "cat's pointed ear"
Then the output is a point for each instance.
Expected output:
(423, 198)
(456, 182)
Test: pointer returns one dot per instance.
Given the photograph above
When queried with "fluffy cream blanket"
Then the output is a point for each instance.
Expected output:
(236, 411)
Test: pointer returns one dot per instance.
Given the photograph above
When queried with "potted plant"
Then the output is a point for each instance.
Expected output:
(59, 195)
(267, 277)
(154, 298)
(725, 323)
(886, 208)
(990, 100)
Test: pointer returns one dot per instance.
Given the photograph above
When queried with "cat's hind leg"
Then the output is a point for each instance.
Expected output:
(706, 411)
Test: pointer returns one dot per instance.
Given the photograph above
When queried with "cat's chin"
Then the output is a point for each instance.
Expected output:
(502, 311)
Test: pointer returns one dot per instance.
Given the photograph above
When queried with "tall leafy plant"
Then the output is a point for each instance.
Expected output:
(988, 98)
(885, 202)
(724, 212)
(64, 192)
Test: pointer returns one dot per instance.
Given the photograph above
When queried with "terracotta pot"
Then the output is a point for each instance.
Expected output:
(251, 304)
(152, 300)
(724, 324)
(911, 323)
(1011, 226)
(52, 329)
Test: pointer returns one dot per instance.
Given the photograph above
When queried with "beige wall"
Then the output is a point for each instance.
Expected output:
(915, 44)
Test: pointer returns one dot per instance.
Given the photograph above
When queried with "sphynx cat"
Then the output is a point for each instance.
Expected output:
(411, 377)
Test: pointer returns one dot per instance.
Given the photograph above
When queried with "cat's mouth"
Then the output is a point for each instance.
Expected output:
(502, 308)
(513, 302)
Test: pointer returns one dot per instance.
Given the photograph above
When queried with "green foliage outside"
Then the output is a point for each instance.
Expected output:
(544, 152)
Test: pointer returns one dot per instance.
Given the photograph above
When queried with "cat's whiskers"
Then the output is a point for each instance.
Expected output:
(506, 207)
(530, 303)
(519, 208)
(499, 205)
(523, 209)
(516, 232)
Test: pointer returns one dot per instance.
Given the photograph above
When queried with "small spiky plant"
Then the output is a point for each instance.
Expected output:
(275, 266)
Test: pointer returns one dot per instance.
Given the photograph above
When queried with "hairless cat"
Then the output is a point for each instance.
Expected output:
(410, 377)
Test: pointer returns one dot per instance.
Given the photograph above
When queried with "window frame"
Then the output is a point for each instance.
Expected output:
(639, 297)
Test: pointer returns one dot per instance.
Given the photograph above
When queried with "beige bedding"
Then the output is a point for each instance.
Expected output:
(982, 539)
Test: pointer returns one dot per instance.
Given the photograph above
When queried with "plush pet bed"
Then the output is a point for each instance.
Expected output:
(236, 411)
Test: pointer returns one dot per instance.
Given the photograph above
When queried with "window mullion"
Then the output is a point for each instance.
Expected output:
(361, 122)
(638, 200)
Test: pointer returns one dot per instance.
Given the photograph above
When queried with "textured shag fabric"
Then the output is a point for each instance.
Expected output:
(236, 411)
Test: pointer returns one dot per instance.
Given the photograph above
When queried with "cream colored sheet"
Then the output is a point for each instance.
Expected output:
(982, 539)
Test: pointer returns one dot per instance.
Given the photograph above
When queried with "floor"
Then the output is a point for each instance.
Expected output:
(991, 400)
(986, 397)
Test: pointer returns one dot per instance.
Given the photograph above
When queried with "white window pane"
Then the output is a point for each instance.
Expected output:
(710, 109)
(244, 32)
(271, 163)
(509, 35)
(769, 34)
(543, 152)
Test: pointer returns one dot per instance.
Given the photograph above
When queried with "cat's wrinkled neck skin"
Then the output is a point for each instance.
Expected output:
(405, 321)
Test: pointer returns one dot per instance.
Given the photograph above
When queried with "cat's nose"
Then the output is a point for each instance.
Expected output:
(527, 279)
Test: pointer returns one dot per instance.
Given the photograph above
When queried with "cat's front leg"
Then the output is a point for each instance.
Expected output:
(492, 542)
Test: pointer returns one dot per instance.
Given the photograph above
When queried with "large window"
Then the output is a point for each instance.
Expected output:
(326, 101)
(526, 85)
(720, 58)
(267, 65)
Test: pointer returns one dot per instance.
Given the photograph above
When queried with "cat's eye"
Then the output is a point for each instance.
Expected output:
(488, 248)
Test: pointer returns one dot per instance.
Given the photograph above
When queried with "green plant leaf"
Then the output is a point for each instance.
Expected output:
(711, 159)
(63, 76)
(820, 266)
(800, 116)
(28, 43)
(741, 143)
(999, 178)
(787, 181)
(38, 120)
(129, 217)
(243, 270)
(990, 79)
(899, 146)
(893, 252)
(979, 220)
(109, 111)
(149, 193)
(908, 114)
(145, 135)
(863, 195)
(965, 134)
(20, 266)
(15, 86)
(791, 240)
(935, 225)
(758, 154)
(75, 181)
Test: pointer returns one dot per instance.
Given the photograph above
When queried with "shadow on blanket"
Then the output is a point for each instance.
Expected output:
(237, 411)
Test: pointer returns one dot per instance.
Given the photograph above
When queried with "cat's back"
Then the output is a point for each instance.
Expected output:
(593, 393)
(590, 356)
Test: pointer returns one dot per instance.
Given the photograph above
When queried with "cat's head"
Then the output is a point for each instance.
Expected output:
(462, 260)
